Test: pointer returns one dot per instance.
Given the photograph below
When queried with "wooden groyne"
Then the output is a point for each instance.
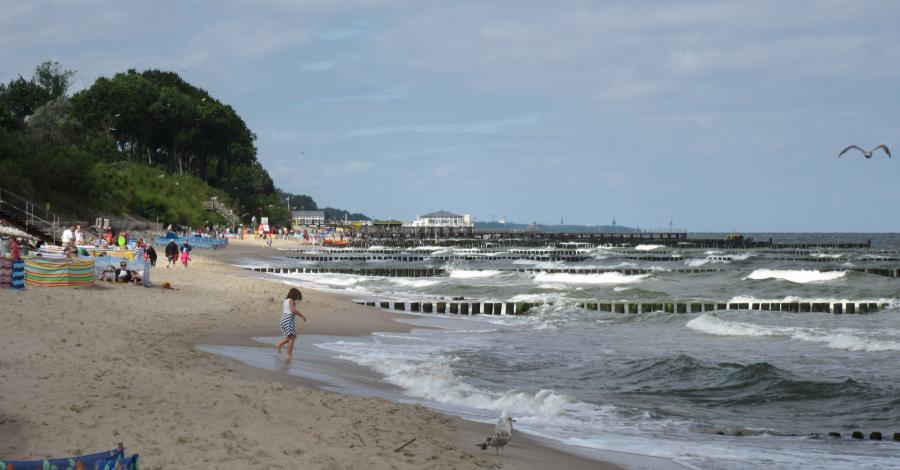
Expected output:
(382, 272)
(479, 307)
(435, 272)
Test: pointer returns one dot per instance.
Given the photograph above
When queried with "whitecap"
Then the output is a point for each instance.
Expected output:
(801, 276)
(473, 274)
(648, 247)
(848, 340)
(601, 278)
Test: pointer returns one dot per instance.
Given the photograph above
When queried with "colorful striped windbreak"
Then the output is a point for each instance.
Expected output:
(58, 272)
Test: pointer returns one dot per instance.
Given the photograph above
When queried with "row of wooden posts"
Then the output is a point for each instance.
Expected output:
(549, 256)
(434, 272)
(473, 307)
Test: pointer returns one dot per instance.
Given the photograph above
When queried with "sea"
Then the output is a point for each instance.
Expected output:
(720, 389)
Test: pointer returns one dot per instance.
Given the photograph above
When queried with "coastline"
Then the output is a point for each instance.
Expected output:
(85, 368)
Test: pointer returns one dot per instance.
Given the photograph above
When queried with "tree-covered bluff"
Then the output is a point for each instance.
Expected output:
(147, 144)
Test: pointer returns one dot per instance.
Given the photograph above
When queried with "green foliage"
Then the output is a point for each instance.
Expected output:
(144, 143)
(297, 202)
(340, 214)
(20, 98)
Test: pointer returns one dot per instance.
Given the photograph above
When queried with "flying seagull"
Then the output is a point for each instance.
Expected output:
(869, 153)
(501, 436)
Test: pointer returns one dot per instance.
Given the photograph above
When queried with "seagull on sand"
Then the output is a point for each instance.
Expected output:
(502, 434)
(865, 153)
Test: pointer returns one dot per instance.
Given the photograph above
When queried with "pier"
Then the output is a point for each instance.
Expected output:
(500, 238)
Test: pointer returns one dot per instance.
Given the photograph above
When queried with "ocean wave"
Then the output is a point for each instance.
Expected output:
(648, 247)
(602, 278)
(848, 340)
(534, 298)
(343, 280)
(826, 255)
(801, 276)
(472, 274)
(430, 377)
(730, 384)
(412, 282)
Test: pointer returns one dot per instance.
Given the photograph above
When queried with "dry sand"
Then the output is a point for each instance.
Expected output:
(82, 369)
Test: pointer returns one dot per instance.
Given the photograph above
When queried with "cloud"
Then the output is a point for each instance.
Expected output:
(388, 94)
(320, 66)
(479, 127)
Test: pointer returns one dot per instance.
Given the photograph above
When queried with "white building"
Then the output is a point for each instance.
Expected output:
(306, 218)
(443, 219)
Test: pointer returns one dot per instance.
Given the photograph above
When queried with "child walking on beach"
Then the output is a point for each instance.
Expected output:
(288, 326)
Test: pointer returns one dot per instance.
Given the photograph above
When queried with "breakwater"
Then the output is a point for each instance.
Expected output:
(892, 272)
(460, 306)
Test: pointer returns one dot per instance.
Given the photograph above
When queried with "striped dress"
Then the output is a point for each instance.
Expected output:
(288, 327)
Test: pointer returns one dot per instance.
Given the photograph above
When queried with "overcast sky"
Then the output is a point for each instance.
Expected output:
(720, 115)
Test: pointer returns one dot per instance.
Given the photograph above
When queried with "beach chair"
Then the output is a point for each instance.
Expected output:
(108, 460)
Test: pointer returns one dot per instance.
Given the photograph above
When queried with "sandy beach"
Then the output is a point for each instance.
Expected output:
(83, 369)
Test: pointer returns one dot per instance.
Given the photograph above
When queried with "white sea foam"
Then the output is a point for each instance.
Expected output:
(428, 248)
(472, 274)
(413, 282)
(826, 255)
(543, 298)
(801, 276)
(602, 278)
(621, 289)
(648, 247)
(343, 280)
(847, 339)
(430, 377)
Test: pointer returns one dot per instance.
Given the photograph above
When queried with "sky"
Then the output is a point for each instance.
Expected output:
(718, 116)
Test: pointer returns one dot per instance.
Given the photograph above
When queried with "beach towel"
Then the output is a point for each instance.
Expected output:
(106, 460)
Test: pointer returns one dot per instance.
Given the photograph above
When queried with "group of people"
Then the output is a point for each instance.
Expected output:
(72, 237)
(174, 253)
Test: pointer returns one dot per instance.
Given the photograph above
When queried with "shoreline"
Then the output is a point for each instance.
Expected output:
(85, 368)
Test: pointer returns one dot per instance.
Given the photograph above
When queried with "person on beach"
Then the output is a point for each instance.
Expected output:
(185, 252)
(149, 263)
(68, 235)
(79, 235)
(171, 253)
(288, 325)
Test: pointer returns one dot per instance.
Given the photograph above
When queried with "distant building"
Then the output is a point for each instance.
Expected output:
(443, 219)
(306, 218)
